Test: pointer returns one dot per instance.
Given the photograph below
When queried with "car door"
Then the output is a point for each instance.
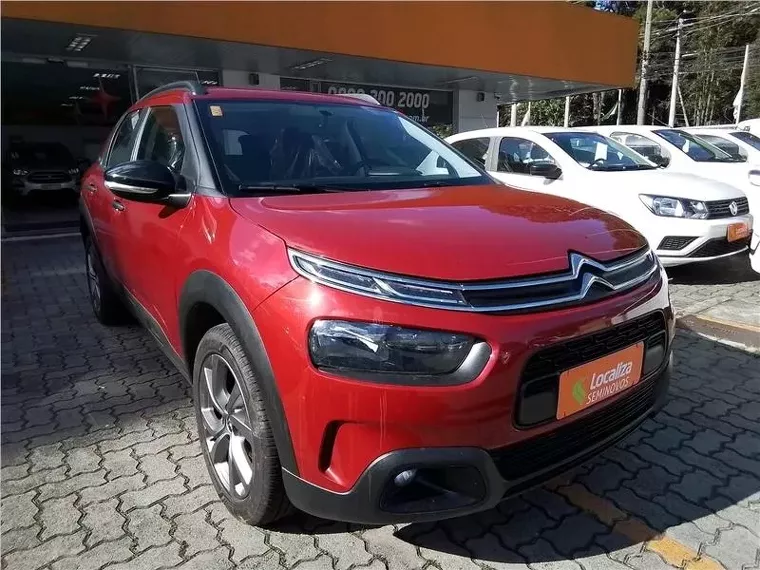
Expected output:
(98, 198)
(148, 232)
(515, 161)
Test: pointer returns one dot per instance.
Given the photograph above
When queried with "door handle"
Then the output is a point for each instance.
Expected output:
(91, 187)
(117, 205)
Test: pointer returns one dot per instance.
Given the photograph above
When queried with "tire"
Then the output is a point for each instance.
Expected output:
(105, 302)
(236, 451)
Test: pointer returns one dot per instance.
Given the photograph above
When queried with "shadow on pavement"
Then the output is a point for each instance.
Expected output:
(727, 271)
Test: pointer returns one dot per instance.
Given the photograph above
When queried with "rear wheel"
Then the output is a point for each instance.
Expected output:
(237, 440)
(106, 303)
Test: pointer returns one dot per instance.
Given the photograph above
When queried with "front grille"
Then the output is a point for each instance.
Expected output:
(555, 359)
(46, 177)
(586, 282)
(722, 208)
(675, 242)
(528, 458)
(720, 246)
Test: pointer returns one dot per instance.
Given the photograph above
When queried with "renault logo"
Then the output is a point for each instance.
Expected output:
(733, 208)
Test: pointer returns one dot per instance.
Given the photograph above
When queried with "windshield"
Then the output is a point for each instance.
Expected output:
(596, 152)
(694, 148)
(271, 146)
(747, 137)
(42, 154)
(724, 144)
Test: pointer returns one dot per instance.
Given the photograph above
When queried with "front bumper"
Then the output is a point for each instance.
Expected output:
(339, 426)
(458, 481)
(24, 187)
(709, 239)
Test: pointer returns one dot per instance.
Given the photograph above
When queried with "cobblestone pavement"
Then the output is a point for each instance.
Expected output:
(101, 467)
(699, 287)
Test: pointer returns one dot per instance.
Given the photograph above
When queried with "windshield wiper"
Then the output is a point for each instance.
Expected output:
(295, 188)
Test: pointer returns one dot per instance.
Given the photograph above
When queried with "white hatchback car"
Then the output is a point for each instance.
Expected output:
(675, 150)
(685, 218)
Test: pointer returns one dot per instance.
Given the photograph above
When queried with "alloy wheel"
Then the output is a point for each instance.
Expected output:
(228, 435)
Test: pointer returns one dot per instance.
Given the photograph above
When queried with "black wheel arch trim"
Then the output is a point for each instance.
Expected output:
(206, 287)
(85, 219)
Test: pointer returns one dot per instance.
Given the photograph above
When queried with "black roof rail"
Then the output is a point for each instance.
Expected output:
(194, 87)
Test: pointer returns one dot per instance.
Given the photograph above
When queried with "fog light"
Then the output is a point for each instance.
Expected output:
(405, 477)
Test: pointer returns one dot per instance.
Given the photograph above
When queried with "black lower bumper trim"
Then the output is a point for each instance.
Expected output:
(363, 503)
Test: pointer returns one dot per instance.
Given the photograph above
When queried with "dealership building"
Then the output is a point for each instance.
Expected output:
(70, 69)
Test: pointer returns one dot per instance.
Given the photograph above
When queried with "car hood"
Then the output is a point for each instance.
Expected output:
(673, 184)
(733, 173)
(456, 233)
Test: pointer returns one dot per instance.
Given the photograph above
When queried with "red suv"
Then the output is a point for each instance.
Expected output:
(375, 330)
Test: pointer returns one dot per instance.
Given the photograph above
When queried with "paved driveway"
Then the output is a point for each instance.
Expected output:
(101, 465)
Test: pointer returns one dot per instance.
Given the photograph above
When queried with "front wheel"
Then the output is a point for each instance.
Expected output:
(237, 440)
(106, 304)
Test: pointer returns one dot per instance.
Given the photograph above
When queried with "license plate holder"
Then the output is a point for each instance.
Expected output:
(584, 386)
(737, 231)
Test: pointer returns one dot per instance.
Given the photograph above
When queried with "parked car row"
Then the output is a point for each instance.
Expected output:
(691, 199)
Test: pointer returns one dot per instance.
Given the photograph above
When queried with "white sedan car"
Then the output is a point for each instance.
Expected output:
(685, 218)
(675, 150)
(739, 144)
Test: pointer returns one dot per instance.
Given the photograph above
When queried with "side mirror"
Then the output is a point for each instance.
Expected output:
(659, 160)
(142, 181)
(545, 169)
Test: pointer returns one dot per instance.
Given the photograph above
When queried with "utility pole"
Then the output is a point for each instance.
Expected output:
(644, 65)
(676, 66)
(683, 107)
(513, 118)
(741, 84)
(567, 111)
(526, 117)
(620, 107)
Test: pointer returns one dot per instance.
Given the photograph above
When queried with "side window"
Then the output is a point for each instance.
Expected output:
(123, 140)
(162, 138)
(474, 149)
(644, 146)
(517, 155)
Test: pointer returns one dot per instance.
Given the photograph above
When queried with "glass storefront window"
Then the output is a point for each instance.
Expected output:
(149, 78)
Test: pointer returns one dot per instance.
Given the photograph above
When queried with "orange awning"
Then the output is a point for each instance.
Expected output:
(551, 40)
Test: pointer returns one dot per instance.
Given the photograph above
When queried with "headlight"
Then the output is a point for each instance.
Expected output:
(675, 207)
(754, 177)
(396, 355)
(373, 284)
(73, 171)
(20, 172)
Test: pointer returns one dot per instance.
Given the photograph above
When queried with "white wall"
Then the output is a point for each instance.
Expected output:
(240, 78)
(470, 114)
(81, 141)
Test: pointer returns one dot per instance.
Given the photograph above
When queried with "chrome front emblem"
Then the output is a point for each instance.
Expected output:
(733, 208)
